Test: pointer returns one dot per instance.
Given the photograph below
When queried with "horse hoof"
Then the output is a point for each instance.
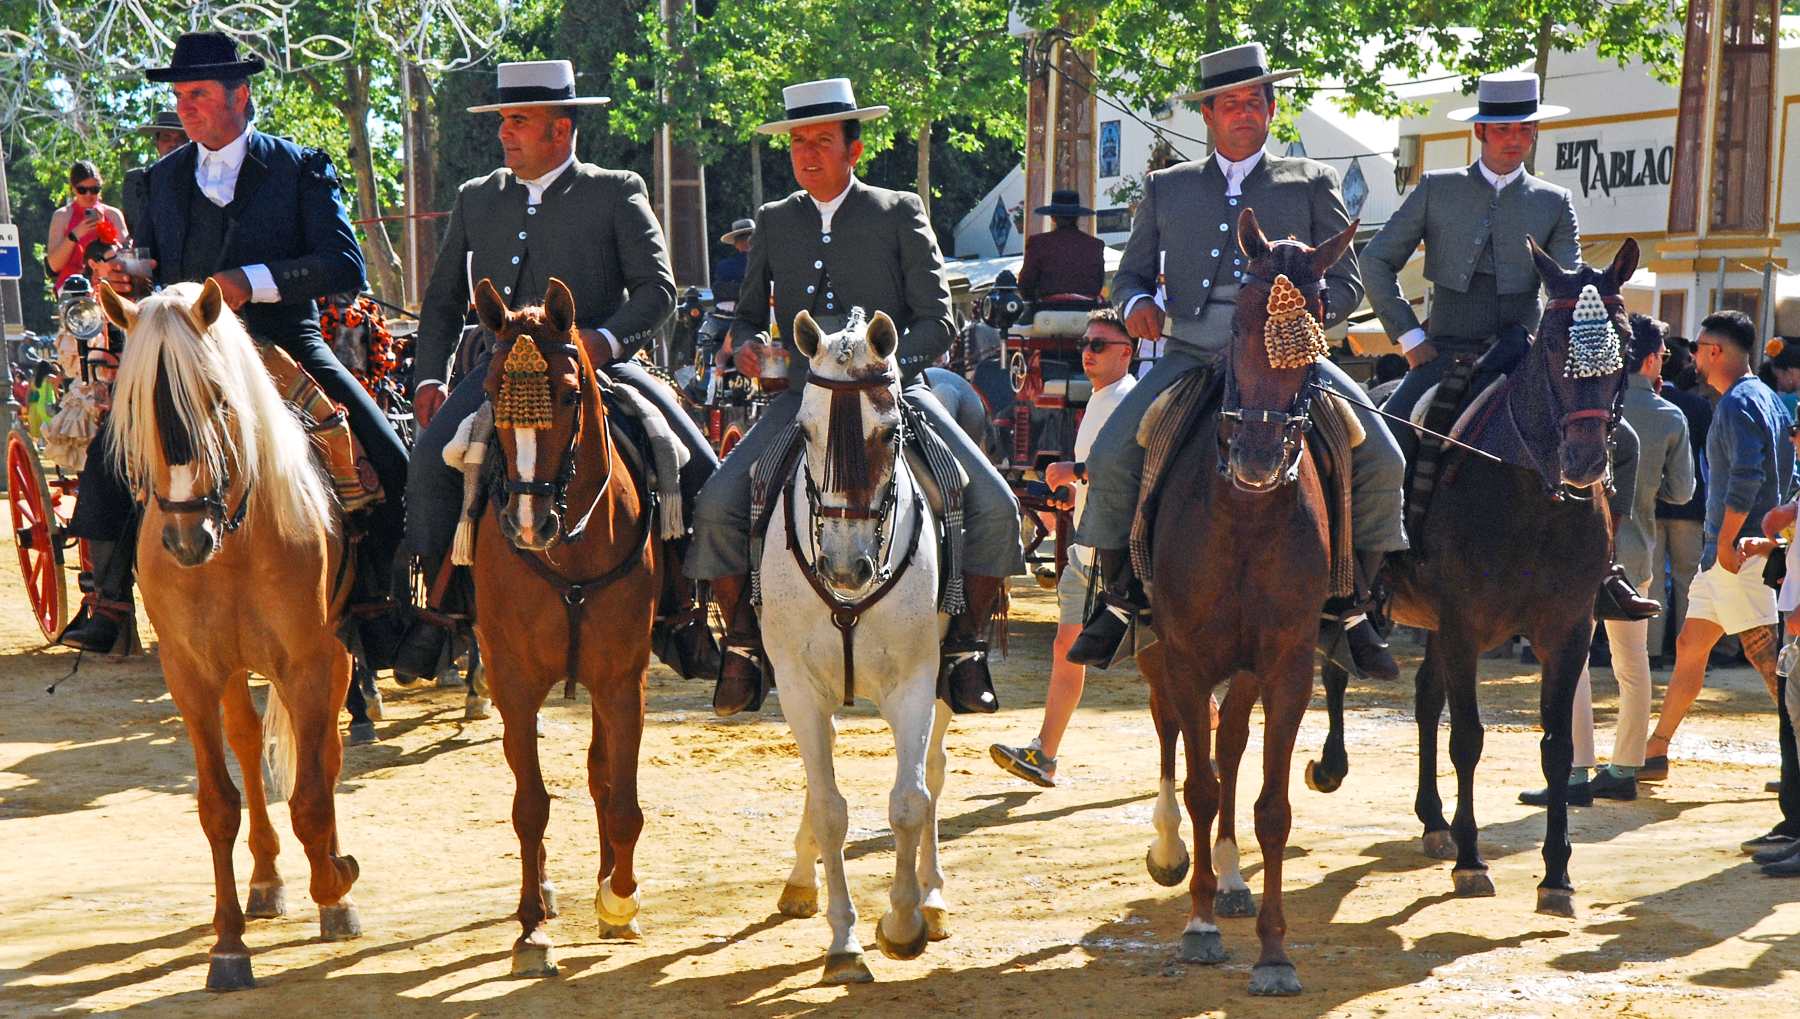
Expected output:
(1556, 902)
(372, 703)
(229, 973)
(267, 901)
(1318, 781)
(1169, 876)
(798, 901)
(1472, 883)
(449, 679)
(612, 910)
(1205, 947)
(1234, 902)
(846, 968)
(548, 891)
(627, 931)
(477, 708)
(1275, 978)
(937, 922)
(532, 956)
(339, 922)
(1440, 845)
(901, 950)
(362, 734)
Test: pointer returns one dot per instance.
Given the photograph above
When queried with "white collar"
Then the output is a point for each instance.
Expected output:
(829, 209)
(1498, 181)
(232, 154)
(536, 186)
(1235, 172)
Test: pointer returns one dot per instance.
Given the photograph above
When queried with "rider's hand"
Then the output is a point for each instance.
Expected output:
(1730, 557)
(1060, 474)
(749, 358)
(1145, 321)
(1424, 353)
(428, 400)
(236, 287)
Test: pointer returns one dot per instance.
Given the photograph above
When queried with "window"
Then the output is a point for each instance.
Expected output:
(1671, 307)
(1684, 189)
(1739, 194)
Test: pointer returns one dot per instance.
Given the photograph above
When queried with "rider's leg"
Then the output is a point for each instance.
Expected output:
(107, 517)
(1377, 496)
(719, 551)
(1406, 396)
(1618, 597)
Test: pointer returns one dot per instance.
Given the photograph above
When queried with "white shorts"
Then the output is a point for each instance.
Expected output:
(1737, 602)
(1072, 592)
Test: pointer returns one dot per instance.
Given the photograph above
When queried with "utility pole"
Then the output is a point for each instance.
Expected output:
(680, 191)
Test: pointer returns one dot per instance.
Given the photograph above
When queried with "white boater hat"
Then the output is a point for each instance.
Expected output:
(1507, 97)
(819, 102)
(1234, 67)
(538, 83)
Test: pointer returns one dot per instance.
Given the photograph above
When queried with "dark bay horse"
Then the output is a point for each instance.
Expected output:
(566, 578)
(1508, 549)
(1241, 568)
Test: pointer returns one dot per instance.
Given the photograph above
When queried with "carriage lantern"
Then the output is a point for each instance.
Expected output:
(78, 310)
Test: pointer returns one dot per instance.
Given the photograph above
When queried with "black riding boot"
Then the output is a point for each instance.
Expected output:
(421, 651)
(1368, 652)
(680, 635)
(105, 623)
(1618, 599)
(965, 683)
(742, 678)
(1121, 597)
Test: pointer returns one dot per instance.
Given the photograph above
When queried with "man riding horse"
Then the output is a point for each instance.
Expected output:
(261, 217)
(1184, 232)
(1485, 300)
(544, 214)
(835, 245)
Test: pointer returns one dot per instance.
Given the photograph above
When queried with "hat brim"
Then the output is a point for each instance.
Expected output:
(1062, 210)
(578, 101)
(784, 126)
(735, 234)
(1473, 115)
(206, 72)
(153, 128)
(1261, 79)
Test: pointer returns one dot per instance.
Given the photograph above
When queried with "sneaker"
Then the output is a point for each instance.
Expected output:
(1605, 785)
(1581, 794)
(1028, 763)
(1775, 838)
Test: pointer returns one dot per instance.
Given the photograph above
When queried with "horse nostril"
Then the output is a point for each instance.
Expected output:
(865, 569)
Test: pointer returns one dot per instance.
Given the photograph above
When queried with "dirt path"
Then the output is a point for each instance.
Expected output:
(106, 896)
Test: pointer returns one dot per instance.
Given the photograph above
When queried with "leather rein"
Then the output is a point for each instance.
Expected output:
(846, 615)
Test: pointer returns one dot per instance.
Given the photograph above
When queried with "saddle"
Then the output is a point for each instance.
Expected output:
(351, 472)
(1451, 408)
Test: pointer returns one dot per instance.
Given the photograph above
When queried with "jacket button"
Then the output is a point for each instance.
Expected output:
(818, 264)
(507, 290)
(531, 210)
(515, 260)
(810, 288)
(1206, 283)
(1215, 252)
(1223, 228)
(824, 238)
(1233, 201)
(521, 235)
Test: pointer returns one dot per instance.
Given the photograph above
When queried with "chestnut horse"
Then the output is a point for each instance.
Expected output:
(245, 516)
(1241, 569)
(566, 581)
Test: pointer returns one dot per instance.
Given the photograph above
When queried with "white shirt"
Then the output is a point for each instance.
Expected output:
(216, 174)
(828, 209)
(536, 186)
(1100, 407)
(1234, 172)
(1413, 337)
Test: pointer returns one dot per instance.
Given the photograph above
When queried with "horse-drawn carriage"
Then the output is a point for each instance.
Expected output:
(723, 402)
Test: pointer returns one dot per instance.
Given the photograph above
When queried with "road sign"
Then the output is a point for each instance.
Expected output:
(10, 263)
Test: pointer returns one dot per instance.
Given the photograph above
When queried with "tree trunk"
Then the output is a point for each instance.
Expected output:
(353, 102)
(1541, 67)
(756, 188)
(924, 182)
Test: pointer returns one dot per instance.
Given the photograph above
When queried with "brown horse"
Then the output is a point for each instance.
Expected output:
(245, 516)
(566, 580)
(1241, 569)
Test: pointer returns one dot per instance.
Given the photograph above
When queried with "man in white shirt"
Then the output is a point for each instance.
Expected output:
(1106, 360)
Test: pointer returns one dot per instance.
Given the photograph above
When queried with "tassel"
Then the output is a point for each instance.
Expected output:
(479, 427)
(846, 453)
(524, 401)
(1293, 337)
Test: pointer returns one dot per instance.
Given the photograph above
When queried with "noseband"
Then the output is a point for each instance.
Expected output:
(212, 503)
(557, 490)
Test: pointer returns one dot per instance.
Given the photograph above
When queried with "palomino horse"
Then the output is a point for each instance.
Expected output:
(243, 512)
(565, 586)
(1246, 607)
(851, 558)
(1508, 549)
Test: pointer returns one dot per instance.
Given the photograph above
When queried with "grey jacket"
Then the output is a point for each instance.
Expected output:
(593, 230)
(1454, 213)
(1665, 470)
(1186, 214)
(881, 255)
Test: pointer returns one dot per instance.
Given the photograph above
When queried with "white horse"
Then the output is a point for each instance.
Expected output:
(864, 549)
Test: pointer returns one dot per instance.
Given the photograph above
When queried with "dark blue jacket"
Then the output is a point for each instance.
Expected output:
(728, 276)
(286, 214)
(1699, 418)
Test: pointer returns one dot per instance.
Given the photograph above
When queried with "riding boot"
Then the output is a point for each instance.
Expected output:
(1120, 599)
(963, 679)
(106, 621)
(680, 635)
(742, 677)
(1349, 623)
(420, 654)
(1619, 599)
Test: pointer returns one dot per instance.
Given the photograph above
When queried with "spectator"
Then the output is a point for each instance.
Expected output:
(1390, 369)
(728, 275)
(82, 221)
(1784, 861)
(1676, 556)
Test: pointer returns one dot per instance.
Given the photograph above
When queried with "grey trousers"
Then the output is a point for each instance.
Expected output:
(1674, 561)
(1116, 463)
(721, 545)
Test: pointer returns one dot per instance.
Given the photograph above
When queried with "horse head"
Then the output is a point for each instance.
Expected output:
(850, 416)
(1277, 335)
(540, 383)
(1581, 343)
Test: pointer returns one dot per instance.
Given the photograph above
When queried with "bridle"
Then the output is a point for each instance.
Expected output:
(1293, 423)
(213, 503)
(557, 490)
(1560, 491)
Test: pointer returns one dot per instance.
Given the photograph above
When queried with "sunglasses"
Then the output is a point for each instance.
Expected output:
(82, 189)
(1099, 346)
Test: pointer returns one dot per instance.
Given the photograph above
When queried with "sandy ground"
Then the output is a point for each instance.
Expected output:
(106, 896)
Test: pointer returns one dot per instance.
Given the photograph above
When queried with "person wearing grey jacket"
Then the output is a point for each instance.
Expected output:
(1179, 279)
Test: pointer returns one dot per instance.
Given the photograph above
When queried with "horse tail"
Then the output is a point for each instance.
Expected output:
(281, 751)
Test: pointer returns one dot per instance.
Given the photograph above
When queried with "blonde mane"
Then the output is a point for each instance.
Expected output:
(230, 408)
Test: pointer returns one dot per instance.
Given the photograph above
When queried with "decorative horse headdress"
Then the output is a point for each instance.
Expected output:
(1594, 349)
(1293, 337)
(525, 389)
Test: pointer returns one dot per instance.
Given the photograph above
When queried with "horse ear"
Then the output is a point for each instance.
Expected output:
(1624, 264)
(883, 338)
(1250, 236)
(1547, 267)
(559, 305)
(119, 311)
(212, 301)
(1327, 255)
(807, 334)
(490, 310)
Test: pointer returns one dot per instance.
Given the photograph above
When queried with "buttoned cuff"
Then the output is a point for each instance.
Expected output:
(262, 284)
(1412, 338)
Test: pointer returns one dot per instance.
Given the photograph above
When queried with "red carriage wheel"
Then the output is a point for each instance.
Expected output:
(35, 528)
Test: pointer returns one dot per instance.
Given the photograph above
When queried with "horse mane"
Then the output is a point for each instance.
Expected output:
(214, 388)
